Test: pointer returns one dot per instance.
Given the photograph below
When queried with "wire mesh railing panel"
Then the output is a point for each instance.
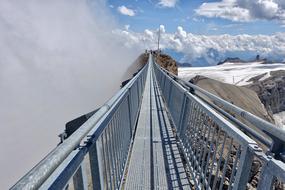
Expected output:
(175, 104)
(116, 138)
(213, 154)
(134, 99)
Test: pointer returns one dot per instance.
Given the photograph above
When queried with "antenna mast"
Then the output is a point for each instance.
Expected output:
(158, 41)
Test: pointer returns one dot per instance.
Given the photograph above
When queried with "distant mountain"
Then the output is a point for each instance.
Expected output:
(213, 57)
(231, 60)
(184, 64)
(174, 54)
(238, 60)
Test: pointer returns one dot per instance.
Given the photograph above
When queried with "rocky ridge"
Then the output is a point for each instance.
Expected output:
(166, 62)
(271, 90)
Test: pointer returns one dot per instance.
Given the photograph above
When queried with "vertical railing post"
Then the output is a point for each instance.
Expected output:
(182, 115)
(139, 86)
(245, 164)
(79, 178)
(163, 86)
(96, 174)
(142, 82)
(138, 91)
(266, 178)
(130, 111)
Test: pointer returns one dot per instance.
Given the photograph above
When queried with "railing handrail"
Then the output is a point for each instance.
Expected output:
(40, 173)
(276, 134)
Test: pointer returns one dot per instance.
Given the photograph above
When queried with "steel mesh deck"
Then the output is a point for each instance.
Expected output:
(155, 162)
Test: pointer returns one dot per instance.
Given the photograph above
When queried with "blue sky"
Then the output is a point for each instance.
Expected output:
(149, 14)
(204, 32)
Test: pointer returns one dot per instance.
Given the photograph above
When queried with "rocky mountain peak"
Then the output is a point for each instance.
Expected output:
(166, 62)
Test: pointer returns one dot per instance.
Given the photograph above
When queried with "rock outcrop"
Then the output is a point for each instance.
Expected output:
(183, 64)
(166, 62)
(271, 91)
(231, 60)
(238, 60)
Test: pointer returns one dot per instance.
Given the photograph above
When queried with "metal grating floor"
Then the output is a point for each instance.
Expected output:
(155, 162)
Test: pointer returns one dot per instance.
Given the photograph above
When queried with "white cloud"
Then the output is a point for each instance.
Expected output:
(58, 60)
(126, 11)
(127, 27)
(168, 3)
(197, 46)
(181, 32)
(262, 9)
(162, 28)
(224, 10)
(244, 10)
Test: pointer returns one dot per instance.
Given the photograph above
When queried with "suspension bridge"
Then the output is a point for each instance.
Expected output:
(159, 132)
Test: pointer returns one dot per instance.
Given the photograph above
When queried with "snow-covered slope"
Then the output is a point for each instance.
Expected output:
(232, 73)
(280, 119)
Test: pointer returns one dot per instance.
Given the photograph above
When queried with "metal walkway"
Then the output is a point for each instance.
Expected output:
(155, 162)
(158, 132)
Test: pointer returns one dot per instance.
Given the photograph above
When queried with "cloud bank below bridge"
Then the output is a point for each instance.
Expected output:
(58, 60)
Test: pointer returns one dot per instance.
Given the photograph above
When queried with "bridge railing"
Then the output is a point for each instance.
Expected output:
(95, 155)
(218, 154)
(275, 139)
